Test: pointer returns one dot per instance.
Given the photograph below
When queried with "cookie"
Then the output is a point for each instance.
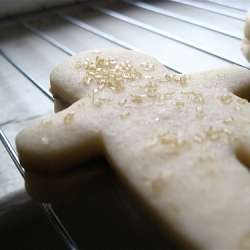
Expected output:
(245, 44)
(179, 142)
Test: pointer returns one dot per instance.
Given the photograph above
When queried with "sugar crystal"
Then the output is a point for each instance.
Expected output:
(45, 140)
(125, 114)
(226, 99)
(69, 117)
(46, 122)
(136, 98)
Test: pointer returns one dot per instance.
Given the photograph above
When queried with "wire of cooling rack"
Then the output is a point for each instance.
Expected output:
(26, 74)
(49, 212)
(214, 7)
(154, 9)
(69, 243)
(45, 37)
(182, 17)
(167, 34)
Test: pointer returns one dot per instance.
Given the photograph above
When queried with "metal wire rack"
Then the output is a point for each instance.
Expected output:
(184, 35)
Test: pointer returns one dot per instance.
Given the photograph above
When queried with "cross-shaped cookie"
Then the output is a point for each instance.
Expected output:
(179, 142)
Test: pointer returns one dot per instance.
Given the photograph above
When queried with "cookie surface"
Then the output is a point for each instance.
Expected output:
(181, 143)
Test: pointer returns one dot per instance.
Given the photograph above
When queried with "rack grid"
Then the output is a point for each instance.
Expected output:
(184, 35)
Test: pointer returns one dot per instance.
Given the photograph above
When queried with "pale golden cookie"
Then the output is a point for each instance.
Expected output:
(180, 143)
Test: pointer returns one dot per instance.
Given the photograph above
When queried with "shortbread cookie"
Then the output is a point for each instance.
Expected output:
(245, 44)
(179, 142)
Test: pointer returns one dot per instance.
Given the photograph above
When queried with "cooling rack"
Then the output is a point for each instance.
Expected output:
(185, 36)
